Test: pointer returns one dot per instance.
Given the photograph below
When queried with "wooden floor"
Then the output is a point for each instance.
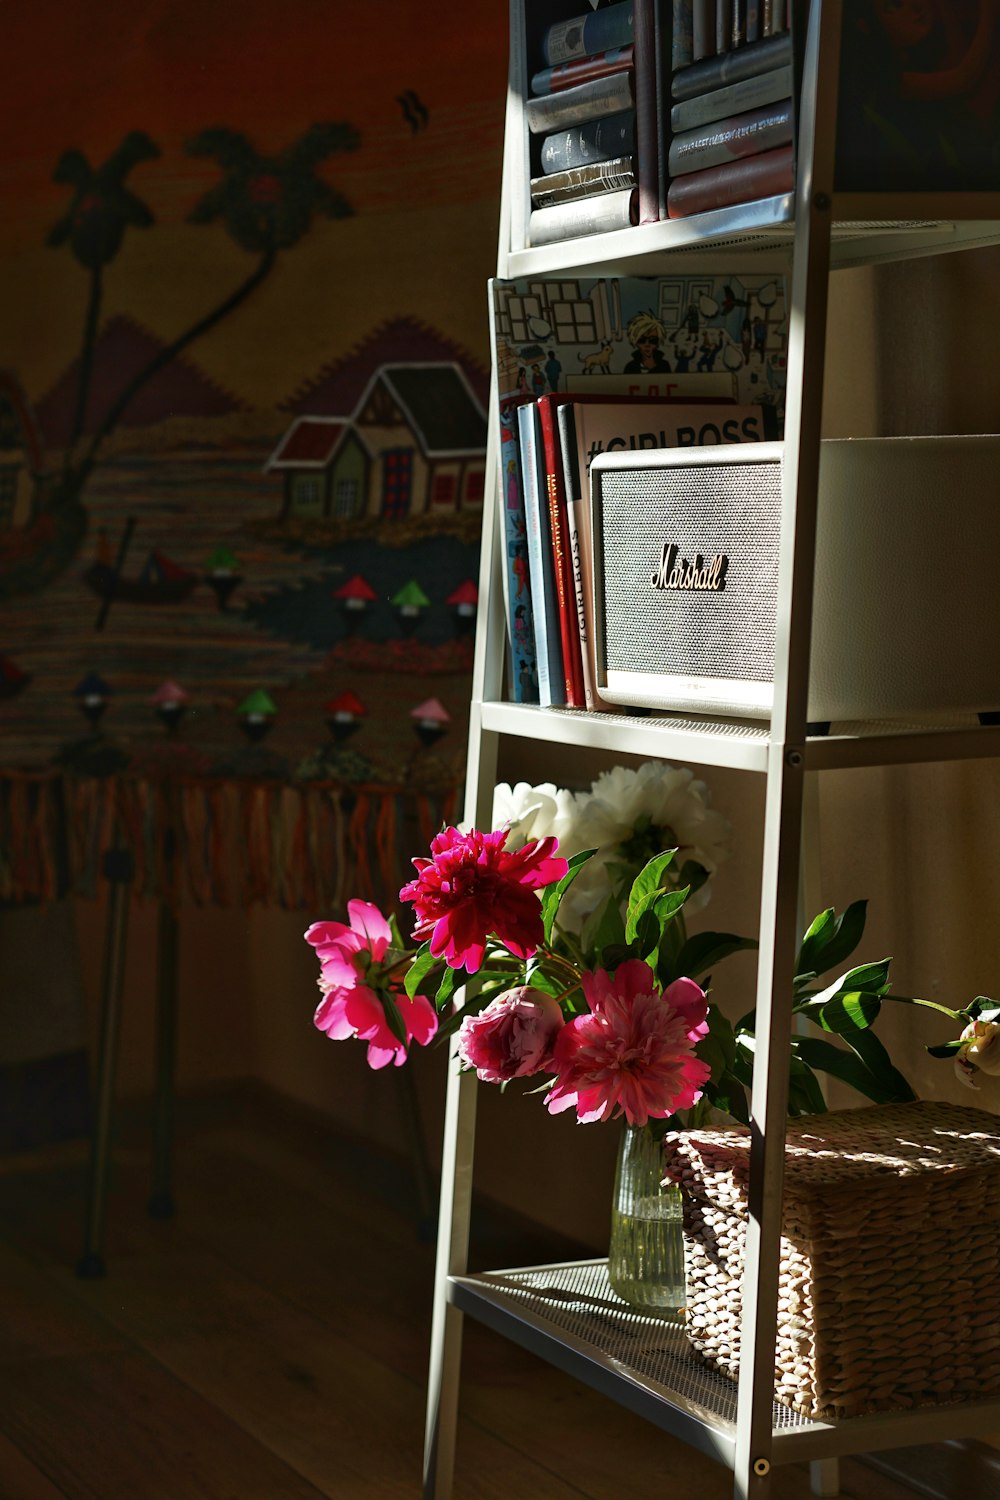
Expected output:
(270, 1343)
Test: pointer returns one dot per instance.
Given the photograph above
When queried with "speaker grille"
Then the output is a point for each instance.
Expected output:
(731, 509)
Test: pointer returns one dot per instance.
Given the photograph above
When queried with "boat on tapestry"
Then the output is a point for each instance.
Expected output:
(160, 580)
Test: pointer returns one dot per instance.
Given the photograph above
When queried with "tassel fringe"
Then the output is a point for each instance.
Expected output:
(308, 847)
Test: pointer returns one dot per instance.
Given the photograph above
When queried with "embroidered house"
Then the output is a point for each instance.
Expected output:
(415, 443)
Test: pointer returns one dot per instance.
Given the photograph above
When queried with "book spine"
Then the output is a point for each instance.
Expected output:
(584, 35)
(562, 567)
(723, 25)
(598, 214)
(736, 136)
(703, 28)
(646, 143)
(739, 31)
(779, 16)
(715, 72)
(682, 37)
(578, 521)
(568, 75)
(582, 182)
(761, 176)
(664, 19)
(754, 32)
(735, 98)
(587, 101)
(520, 615)
(547, 649)
(767, 17)
(597, 140)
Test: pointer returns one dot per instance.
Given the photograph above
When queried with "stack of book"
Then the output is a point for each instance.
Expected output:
(592, 118)
(731, 120)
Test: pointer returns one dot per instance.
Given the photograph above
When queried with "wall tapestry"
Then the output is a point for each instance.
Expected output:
(242, 439)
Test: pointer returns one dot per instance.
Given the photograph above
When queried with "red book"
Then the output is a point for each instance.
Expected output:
(567, 75)
(739, 181)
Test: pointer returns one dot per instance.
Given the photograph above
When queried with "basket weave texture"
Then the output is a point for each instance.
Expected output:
(889, 1258)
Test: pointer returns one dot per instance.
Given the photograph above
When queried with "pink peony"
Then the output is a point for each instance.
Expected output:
(350, 1007)
(513, 1037)
(634, 1053)
(472, 887)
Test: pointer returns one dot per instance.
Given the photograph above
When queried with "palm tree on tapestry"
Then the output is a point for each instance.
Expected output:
(94, 225)
(265, 203)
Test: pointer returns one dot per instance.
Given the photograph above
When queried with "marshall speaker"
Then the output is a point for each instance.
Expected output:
(906, 606)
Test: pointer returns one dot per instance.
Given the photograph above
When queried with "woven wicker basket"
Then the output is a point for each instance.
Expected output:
(890, 1255)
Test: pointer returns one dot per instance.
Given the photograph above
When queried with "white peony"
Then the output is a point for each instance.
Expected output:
(980, 1052)
(534, 812)
(630, 815)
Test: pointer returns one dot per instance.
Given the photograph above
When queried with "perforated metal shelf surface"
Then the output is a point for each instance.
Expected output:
(569, 1315)
(743, 744)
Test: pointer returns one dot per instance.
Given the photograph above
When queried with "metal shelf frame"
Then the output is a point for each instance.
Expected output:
(812, 232)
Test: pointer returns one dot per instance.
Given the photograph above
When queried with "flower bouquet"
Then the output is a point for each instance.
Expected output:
(556, 946)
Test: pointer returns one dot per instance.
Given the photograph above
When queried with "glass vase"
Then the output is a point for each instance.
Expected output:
(646, 1253)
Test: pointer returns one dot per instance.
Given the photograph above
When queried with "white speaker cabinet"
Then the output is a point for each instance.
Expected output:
(906, 608)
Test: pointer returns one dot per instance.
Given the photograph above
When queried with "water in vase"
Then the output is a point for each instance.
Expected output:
(646, 1258)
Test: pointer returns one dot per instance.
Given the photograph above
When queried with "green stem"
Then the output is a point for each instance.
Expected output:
(954, 1015)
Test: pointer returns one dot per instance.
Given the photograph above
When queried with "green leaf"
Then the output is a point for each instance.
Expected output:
(711, 1051)
(648, 881)
(830, 939)
(706, 949)
(846, 1014)
(446, 988)
(721, 1031)
(647, 933)
(605, 929)
(553, 894)
(847, 1066)
(876, 1059)
(946, 1049)
(393, 1018)
(805, 1097)
(419, 969)
(729, 1094)
(663, 904)
(871, 977)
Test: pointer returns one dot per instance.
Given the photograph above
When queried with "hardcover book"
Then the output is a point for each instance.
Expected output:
(714, 72)
(743, 181)
(740, 135)
(598, 213)
(735, 98)
(597, 140)
(582, 182)
(581, 70)
(582, 36)
(548, 650)
(586, 101)
(516, 574)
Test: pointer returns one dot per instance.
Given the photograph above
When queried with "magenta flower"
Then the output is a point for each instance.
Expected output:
(351, 1007)
(634, 1053)
(513, 1037)
(473, 887)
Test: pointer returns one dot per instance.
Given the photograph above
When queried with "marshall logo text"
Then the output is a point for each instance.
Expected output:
(673, 572)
